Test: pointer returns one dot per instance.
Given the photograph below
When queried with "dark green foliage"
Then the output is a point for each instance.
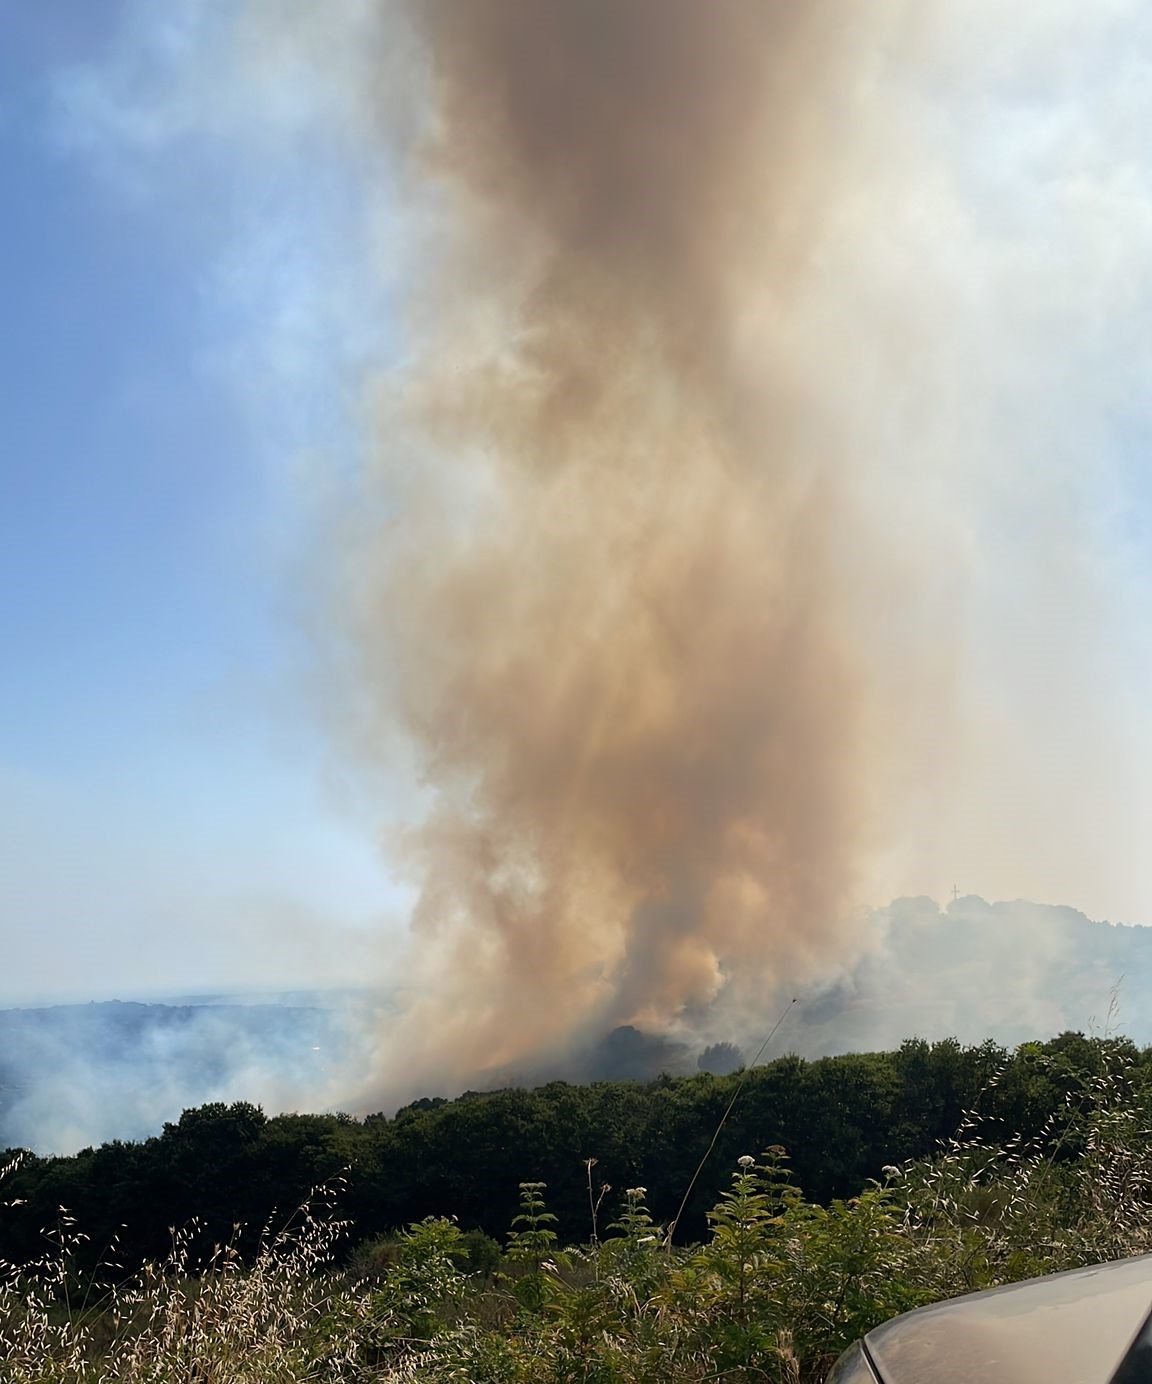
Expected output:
(842, 1119)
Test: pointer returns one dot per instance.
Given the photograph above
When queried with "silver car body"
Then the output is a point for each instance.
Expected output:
(1085, 1326)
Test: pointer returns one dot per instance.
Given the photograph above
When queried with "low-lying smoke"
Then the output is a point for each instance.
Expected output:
(77, 1075)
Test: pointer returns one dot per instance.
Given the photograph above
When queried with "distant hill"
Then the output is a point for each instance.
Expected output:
(1010, 971)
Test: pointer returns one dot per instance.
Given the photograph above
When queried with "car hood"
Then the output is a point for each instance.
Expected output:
(1068, 1328)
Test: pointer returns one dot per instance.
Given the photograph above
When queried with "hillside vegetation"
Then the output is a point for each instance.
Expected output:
(1048, 1166)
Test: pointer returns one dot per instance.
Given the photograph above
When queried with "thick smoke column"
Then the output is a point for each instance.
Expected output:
(731, 552)
(617, 610)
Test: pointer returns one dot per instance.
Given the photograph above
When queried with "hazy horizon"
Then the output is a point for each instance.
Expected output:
(84, 1072)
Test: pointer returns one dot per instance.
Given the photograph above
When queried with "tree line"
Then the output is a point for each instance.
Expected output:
(840, 1119)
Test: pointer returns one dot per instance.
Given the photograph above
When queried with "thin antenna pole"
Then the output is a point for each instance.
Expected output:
(724, 1120)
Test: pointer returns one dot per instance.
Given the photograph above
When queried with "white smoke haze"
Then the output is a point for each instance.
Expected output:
(1011, 971)
(72, 1076)
(750, 526)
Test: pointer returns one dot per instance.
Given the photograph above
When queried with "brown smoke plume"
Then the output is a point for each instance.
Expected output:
(715, 409)
(617, 609)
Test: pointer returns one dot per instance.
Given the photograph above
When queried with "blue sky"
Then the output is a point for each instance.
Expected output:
(167, 804)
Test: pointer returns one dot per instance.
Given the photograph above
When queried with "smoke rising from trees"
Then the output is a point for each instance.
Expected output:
(615, 613)
(718, 395)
